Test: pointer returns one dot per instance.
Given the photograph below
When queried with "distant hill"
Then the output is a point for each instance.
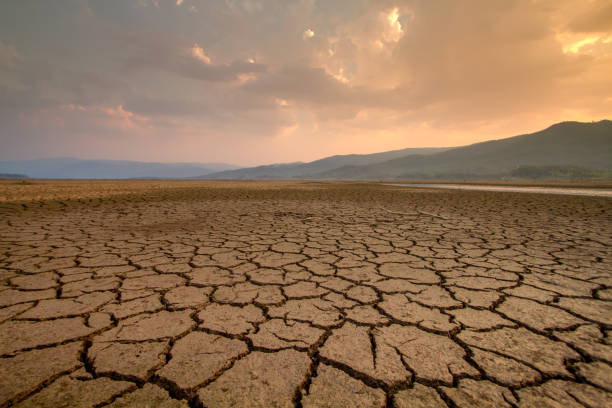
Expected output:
(311, 169)
(564, 150)
(587, 146)
(12, 176)
(69, 168)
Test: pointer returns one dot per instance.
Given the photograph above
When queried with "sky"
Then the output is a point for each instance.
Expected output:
(251, 82)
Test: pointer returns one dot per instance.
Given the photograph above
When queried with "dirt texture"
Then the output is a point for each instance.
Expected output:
(302, 294)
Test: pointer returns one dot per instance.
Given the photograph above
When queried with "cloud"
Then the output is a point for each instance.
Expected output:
(308, 33)
(173, 55)
(198, 53)
(248, 6)
(9, 57)
(234, 71)
(147, 3)
(596, 18)
(296, 80)
(395, 26)
(304, 85)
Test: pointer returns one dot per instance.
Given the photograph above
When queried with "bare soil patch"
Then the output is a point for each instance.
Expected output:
(198, 293)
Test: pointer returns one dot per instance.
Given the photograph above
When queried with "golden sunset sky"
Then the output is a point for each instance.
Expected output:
(254, 81)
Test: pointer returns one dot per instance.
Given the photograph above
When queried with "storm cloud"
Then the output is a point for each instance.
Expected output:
(258, 81)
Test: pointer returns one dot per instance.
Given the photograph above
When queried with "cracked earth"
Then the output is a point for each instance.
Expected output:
(302, 295)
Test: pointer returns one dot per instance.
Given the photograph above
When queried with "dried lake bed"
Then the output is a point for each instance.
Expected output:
(306, 294)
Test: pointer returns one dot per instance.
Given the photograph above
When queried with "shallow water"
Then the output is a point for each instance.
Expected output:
(515, 189)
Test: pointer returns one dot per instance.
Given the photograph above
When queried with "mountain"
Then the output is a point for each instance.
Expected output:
(308, 170)
(567, 149)
(69, 168)
(12, 176)
(566, 145)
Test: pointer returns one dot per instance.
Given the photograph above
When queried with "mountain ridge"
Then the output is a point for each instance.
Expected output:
(587, 145)
(580, 149)
(72, 168)
(301, 170)
(584, 145)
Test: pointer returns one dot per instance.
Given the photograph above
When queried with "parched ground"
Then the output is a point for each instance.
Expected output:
(221, 294)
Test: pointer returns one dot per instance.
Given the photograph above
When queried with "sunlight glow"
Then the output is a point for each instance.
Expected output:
(340, 76)
(571, 44)
(393, 18)
(308, 33)
(198, 53)
(282, 102)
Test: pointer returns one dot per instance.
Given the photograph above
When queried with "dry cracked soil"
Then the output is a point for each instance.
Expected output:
(252, 294)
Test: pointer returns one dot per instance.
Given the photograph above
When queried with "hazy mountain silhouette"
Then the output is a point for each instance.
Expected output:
(12, 176)
(567, 148)
(307, 170)
(69, 168)
(571, 144)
